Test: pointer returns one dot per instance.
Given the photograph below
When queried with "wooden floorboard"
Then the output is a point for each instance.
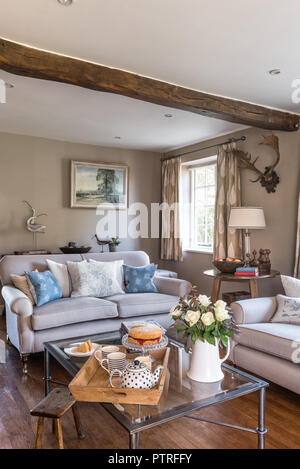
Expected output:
(18, 394)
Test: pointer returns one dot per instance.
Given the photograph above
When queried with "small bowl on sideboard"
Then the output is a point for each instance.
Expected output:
(227, 267)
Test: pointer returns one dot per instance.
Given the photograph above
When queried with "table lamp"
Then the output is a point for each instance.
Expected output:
(246, 218)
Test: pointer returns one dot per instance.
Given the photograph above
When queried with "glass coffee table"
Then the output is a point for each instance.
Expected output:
(181, 397)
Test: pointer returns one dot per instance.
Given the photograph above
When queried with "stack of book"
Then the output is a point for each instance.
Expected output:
(246, 272)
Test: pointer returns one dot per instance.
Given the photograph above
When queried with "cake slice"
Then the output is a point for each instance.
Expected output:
(85, 347)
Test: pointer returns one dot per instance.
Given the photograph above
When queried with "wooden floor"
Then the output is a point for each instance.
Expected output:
(19, 394)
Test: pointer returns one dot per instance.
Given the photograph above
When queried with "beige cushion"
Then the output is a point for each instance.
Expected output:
(71, 311)
(61, 275)
(20, 282)
(288, 310)
(273, 338)
(139, 304)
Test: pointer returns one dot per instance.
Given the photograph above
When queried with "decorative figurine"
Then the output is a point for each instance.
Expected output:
(254, 261)
(264, 263)
(32, 225)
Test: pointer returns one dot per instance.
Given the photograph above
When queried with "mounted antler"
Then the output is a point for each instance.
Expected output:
(269, 178)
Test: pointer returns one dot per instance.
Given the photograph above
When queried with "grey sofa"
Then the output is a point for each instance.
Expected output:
(270, 350)
(28, 327)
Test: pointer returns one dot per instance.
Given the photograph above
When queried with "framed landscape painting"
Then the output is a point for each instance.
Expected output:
(93, 184)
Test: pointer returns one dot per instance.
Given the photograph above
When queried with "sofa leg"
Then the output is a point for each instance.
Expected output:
(24, 358)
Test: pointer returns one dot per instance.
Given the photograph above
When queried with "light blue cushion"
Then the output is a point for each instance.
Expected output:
(45, 286)
(139, 279)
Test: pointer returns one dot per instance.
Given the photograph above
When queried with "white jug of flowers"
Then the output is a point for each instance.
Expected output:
(206, 362)
(207, 326)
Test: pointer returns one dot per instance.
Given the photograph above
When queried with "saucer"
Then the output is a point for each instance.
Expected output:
(70, 350)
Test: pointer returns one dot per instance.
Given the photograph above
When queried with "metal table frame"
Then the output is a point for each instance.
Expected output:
(135, 428)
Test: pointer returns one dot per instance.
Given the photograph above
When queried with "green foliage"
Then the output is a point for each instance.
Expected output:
(217, 330)
(115, 241)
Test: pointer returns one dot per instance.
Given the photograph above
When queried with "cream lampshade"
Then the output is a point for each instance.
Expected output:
(246, 218)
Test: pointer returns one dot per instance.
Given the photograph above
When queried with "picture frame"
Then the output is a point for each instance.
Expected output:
(99, 184)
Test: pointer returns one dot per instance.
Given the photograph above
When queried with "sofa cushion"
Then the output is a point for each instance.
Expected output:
(139, 279)
(45, 285)
(288, 310)
(291, 286)
(273, 338)
(71, 311)
(139, 304)
(97, 279)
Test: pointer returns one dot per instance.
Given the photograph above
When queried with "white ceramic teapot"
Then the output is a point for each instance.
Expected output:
(137, 376)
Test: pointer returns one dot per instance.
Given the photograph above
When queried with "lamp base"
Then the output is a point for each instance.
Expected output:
(247, 248)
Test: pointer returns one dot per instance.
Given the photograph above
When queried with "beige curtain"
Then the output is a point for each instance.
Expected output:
(297, 257)
(227, 242)
(170, 236)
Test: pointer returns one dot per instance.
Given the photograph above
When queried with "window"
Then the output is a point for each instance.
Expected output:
(199, 229)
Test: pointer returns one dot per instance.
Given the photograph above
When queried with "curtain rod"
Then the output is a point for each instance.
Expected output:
(231, 140)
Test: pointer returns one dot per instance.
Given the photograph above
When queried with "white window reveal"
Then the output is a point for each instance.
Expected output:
(198, 233)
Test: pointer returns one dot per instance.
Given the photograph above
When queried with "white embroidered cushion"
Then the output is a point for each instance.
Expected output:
(61, 275)
(288, 310)
(89, 279)
(117, 265)
(291, 286)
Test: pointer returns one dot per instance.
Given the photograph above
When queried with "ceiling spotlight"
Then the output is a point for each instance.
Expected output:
(9, 85)
(168, 115)
(275, 71)
(118, 138)
(65, 3)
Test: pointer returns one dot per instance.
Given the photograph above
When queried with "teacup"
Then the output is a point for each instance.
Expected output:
(114, 361)
(104, 351)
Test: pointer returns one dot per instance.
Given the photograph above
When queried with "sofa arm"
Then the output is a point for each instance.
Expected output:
(17, 301)
(172, 286)
(254, 310)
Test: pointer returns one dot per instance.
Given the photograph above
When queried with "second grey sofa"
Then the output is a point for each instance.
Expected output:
(28, 327)
(268, 349)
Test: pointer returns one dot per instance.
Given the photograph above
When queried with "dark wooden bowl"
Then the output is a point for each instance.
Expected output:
(227, 267)
(78, 250)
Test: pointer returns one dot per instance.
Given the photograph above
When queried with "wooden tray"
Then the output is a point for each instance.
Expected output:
(91, 384)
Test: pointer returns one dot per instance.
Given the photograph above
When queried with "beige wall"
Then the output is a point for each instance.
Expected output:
(280, 209)
(38, 170)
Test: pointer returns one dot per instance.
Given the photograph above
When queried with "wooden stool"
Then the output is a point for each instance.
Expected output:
(54, 406)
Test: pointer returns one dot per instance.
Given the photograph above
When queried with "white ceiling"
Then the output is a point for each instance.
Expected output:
(58, 111)
(215, 46)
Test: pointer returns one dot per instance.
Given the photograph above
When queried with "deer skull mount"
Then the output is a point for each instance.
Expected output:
(269, 178)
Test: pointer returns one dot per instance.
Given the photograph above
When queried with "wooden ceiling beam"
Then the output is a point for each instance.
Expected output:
(35, 63)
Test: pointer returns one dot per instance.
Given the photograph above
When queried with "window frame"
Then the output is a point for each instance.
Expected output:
(192, 236)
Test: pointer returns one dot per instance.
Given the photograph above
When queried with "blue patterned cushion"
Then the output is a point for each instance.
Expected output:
(139, 279)
(288, 310)
(45, 286)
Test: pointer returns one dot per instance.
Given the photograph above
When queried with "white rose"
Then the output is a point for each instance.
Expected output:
(207, 318)
(192, 317)
(204, 300)
(221, 313)
(175, 312)
(220, 304)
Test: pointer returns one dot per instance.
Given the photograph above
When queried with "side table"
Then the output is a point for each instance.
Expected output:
(218, 277)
